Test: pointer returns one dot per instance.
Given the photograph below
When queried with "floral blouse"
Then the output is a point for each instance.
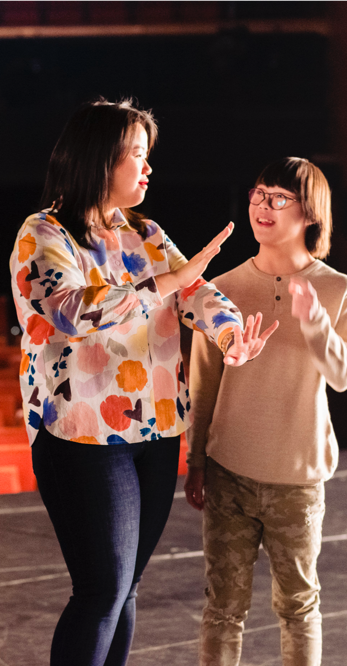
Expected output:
(101, 360)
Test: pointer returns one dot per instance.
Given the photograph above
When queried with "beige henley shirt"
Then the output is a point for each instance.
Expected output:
(269, 419)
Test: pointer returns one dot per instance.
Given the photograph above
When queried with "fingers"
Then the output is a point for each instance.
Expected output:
(194, 498)
(295, 288)
(269, 331)
(298, 285)
(257, 324)
(247, 335)
(221, 237)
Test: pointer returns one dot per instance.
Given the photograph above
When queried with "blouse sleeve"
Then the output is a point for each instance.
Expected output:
(49, 273)
(201, 306)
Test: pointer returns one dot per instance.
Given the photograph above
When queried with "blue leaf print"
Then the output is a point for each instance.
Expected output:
(145, 431)
(50, 413)
(63, 324)
(69, 247)
(67, 351)
(134, 263)
(151, 422)
(154, 436)
(222, 318)
(49, 272)
(34, 419)
(201, 324)
(110, 323)
(180, 409)
(98, 253)
(115, 439)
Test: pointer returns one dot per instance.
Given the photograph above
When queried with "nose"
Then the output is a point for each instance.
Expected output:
(146, 169)
(266, 202)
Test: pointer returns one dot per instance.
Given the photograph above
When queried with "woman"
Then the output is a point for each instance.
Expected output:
(262, 443)
(102, 378)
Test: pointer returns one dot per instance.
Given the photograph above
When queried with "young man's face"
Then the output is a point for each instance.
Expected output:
(282, 227)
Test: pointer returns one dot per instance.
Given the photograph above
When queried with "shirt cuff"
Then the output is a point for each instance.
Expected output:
(196, 460)
(148, 294)
(312, 328)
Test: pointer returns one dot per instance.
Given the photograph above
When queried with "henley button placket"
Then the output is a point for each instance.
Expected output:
(277, 294)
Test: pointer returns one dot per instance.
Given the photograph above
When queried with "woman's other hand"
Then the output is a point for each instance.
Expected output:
(250, 344)
(305, 300)
(194, 487)
(183, 277)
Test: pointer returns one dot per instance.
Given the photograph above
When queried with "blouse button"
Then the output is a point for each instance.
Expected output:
(278, 298)
(278, 279)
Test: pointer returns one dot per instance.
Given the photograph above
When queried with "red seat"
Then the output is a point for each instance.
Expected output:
(9, 480)
(182, 465)
(18, 455)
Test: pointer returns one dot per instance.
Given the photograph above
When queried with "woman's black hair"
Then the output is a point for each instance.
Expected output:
(94, 141)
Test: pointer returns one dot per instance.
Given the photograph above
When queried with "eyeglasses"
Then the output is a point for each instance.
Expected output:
(277, 201)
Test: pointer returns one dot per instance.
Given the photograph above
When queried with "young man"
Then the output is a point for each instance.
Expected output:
(262, 442)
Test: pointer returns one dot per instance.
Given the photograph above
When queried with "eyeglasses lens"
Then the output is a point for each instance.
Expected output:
(278, 201)
(256, 196)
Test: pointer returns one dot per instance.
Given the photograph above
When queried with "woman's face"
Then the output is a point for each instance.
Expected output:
(130, 179)
(278, 227)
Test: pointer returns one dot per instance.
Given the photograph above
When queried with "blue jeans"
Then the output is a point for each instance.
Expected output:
(108, 506)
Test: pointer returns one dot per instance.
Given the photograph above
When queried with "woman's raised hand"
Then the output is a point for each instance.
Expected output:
(183, 277)
(250, 344)
(198, 264)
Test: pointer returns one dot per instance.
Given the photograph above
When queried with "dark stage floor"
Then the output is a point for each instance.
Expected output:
(35, 586)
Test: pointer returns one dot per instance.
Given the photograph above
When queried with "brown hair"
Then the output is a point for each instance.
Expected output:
(311, 188)
(95, 140)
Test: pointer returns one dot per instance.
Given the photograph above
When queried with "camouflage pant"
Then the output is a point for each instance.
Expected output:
(239, 515)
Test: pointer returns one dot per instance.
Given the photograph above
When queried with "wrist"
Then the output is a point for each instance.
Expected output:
(167, 283)
(227, 342)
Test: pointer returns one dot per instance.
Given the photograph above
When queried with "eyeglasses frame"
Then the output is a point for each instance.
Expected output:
(269, 194)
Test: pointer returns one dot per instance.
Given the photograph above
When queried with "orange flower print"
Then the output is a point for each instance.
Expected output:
(126, 277)
(24, 364)
(26, 247)
(95, 294)
(86, 440)
(112, 412)
(53, 220)
(153, 253)
(132, 376)
(98, 289)
(23, 286)
(190, 291)
(39, 329)
(165, 411)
